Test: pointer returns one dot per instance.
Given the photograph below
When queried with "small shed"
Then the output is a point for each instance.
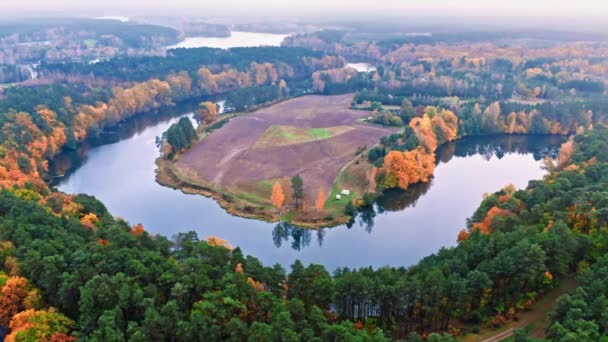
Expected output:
(345, 192)
(338, 197)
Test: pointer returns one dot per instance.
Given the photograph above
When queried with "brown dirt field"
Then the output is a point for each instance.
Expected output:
(226, 157)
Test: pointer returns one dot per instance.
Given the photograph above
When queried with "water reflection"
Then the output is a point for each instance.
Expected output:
(400, 229)
(395, 200)
(70, 160)
(540, 146)
(285, 232)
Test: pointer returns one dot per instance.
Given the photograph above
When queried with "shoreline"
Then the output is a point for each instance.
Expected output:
(234, 204)
(167, 176)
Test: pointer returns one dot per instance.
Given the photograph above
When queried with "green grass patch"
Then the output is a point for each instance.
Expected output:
(287, 217)
(279, 135)
(337, 206)
(319, 133)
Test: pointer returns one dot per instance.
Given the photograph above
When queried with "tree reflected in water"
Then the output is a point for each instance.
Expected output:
(540, 146)
(72, 157)
(284, 232)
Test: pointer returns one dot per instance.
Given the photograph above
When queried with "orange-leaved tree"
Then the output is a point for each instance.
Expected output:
(207, 112)
(89, 220)
(219, 242)
(13, 294)
(320, 202)
(40, 325)
(423, 129)
(485, 226)
(278, 196)
(138, 230)
(405, 168)
(565, 153)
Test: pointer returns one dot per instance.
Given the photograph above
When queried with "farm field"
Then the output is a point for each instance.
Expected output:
(311, 136)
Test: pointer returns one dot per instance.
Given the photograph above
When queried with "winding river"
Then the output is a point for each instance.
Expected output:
(118, 168)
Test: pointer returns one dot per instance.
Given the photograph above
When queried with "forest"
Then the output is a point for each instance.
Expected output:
(191, 60)
(436, 95)
(71, 270)
(109, 281)
(42, 120)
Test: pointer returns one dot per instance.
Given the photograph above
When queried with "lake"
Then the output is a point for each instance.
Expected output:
(237, 39)
(361, 67)
(119, 170)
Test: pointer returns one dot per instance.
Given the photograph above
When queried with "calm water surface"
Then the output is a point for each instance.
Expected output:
(237, 39)
(119, 170)
(361, 67)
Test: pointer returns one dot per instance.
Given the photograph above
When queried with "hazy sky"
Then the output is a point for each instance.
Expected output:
(528, 8)
(559, 14)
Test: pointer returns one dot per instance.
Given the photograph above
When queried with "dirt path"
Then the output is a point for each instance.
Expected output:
(225, 160)
(503, 335)
(537, 319)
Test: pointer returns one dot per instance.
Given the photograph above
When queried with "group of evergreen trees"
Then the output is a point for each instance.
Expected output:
(115, 282)
(179, 137)
(120, 283)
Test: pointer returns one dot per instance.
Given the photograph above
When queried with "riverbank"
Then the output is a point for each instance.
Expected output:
(423, 219)
(311, 136)
(237, 204)
(239, 164)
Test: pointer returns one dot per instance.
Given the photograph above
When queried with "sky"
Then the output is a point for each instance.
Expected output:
(555, 12)
(480, 8)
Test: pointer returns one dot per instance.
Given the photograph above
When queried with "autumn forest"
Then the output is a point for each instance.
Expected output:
(299, 135)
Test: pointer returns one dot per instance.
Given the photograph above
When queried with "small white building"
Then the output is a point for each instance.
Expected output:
(345, 192)
(338, 197)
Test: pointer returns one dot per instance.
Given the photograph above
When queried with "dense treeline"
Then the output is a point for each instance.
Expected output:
(13, 73)
(190, 60)
(441, 98)
(118, 282)
(42, 120)
(111, 281)
(408, 157)
(579, 316)
(374, 40)
(243, 98)
(441, 93)
(518, 245)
